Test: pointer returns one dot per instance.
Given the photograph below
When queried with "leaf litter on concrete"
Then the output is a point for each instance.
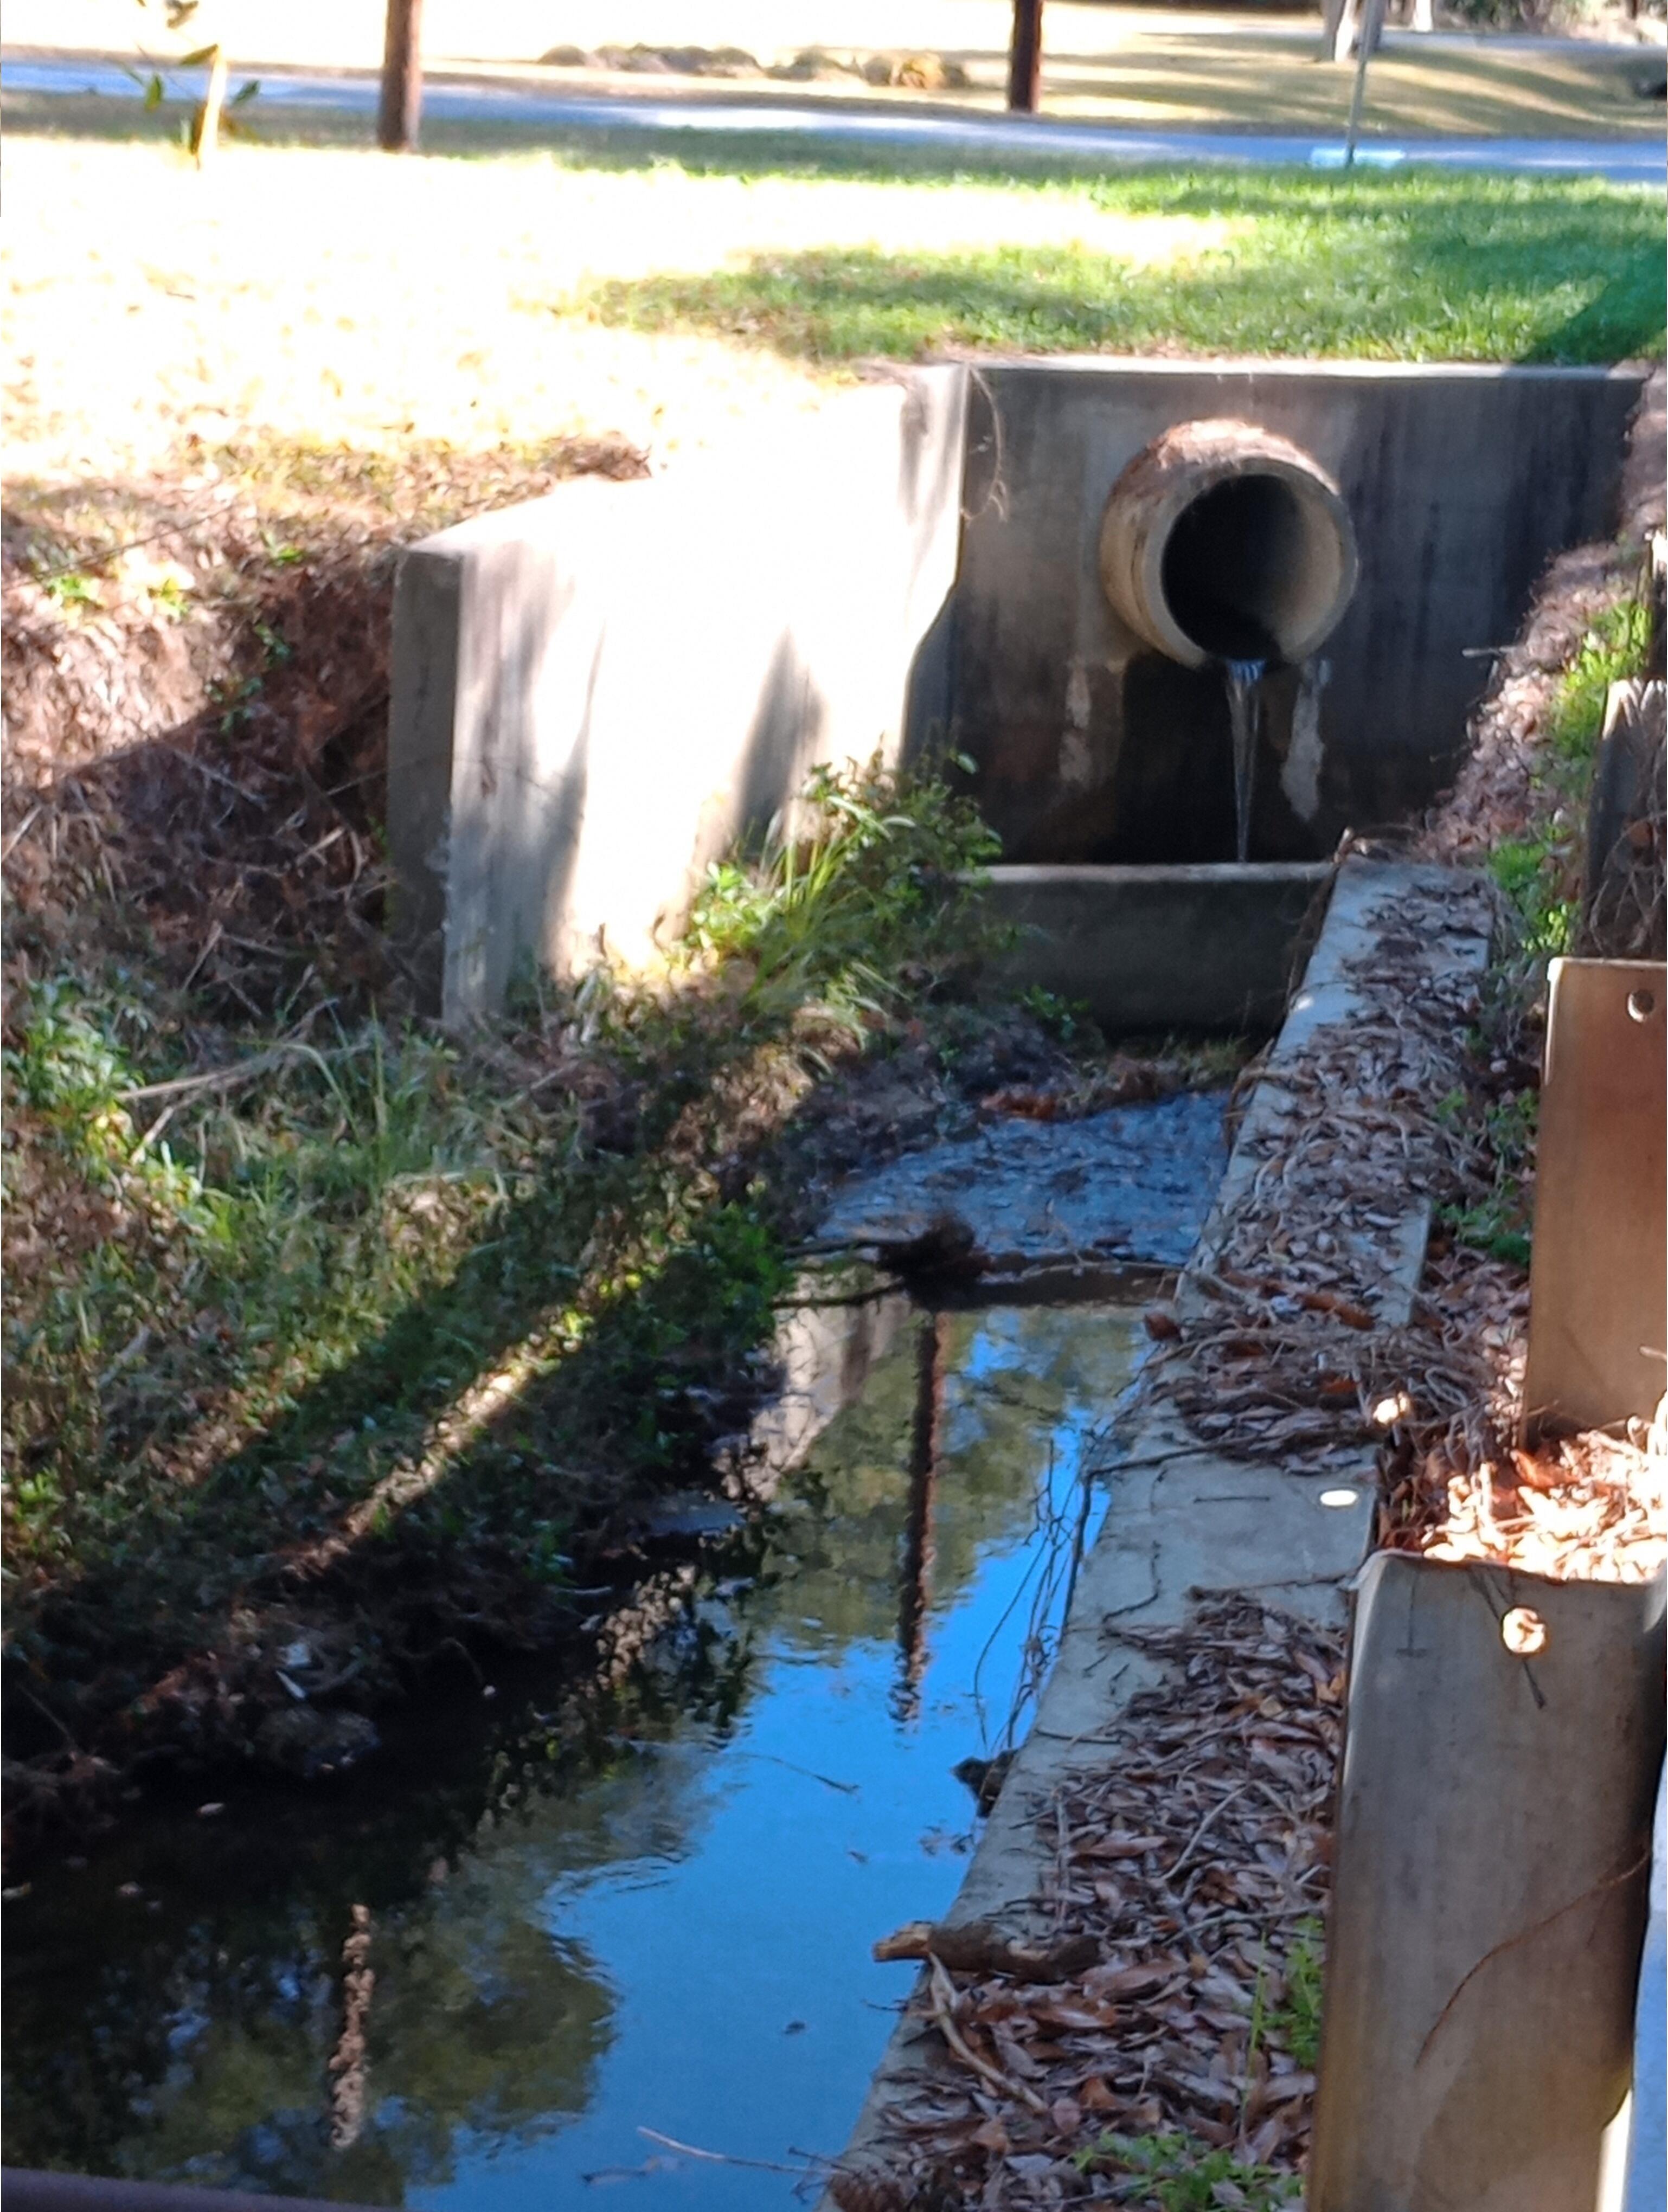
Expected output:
(1193, 1867)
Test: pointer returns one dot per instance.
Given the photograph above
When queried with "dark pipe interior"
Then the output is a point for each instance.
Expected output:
(1231, 564)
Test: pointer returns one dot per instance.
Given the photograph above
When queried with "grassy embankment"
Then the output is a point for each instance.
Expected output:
(358, 1329)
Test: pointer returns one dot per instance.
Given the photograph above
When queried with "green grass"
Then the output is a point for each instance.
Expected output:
(1414, 267)
(1186, 2176)
(1296, 2022)
(1612, 650)
(1540, 874)
(458, 1301)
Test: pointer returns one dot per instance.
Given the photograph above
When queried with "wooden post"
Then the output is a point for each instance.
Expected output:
(1025, 58)
(205, 127)
(400, 110)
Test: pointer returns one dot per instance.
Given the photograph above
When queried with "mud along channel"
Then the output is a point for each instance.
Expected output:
(660, 1919)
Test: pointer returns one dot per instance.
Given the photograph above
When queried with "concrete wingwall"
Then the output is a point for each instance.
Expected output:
(595, 693)
(1462, 483)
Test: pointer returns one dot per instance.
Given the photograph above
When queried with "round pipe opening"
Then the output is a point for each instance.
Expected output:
(1222, 541)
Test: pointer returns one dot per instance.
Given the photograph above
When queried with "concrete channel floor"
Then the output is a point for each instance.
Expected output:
(1183, 1522)
(815, 123)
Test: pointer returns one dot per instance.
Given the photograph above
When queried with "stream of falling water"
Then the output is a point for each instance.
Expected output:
(1243, 680)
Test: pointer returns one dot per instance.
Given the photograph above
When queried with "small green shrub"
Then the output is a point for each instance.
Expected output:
(872, 870)
(1297, 2021)
(1187, 2176)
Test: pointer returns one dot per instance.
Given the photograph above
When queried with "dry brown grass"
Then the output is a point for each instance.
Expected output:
(315, 296)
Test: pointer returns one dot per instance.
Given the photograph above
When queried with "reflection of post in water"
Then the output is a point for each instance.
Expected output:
(925, 1442)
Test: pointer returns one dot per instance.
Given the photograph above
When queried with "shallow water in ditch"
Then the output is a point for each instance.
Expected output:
(667, 1928)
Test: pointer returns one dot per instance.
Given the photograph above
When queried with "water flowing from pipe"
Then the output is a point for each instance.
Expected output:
(1244, 683)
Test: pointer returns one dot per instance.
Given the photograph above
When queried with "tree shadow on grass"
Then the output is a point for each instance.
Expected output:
(591, 1344)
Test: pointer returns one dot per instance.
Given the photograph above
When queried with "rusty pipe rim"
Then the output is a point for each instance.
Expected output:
(1222, 541)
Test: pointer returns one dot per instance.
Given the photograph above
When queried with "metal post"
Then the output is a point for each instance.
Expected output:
(1372, 24)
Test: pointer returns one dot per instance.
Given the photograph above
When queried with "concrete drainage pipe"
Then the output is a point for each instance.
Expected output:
(1223, 542)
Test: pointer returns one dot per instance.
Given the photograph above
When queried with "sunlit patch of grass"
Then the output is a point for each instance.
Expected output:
(1613, 649)
(1418, 267)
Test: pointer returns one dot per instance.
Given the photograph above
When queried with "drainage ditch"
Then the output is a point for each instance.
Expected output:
(592, 1942)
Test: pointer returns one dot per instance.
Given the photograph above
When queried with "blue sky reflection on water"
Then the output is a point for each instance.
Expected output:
(749, 2013)
(669, 1929)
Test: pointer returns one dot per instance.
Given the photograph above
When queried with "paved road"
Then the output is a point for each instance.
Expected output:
(1622, 160)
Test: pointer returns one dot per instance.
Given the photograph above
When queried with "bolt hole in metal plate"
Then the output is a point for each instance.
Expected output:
(1641, 1004)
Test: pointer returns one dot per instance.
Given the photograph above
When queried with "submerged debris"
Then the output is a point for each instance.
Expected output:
(1129, 1185)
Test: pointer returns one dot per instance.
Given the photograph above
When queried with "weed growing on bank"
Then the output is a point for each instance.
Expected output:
(834, 917)
(1297, 2020)
(1539, 874)
(1182, 2175)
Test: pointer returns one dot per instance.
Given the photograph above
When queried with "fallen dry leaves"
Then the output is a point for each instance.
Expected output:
(1195, 1859)
(1291, 1340)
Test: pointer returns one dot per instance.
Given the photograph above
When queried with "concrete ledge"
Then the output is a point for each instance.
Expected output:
(1209, 947)
(1363, 909)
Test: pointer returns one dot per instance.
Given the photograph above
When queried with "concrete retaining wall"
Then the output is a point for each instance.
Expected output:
(596, 693)
(1462, 483)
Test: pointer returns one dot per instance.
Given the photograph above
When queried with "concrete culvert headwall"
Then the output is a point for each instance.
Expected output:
(1224, 542)
(595, 693)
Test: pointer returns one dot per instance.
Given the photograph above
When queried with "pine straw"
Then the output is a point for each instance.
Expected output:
(1288, 1361)
(1197, 1859)
(1284, 1348)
